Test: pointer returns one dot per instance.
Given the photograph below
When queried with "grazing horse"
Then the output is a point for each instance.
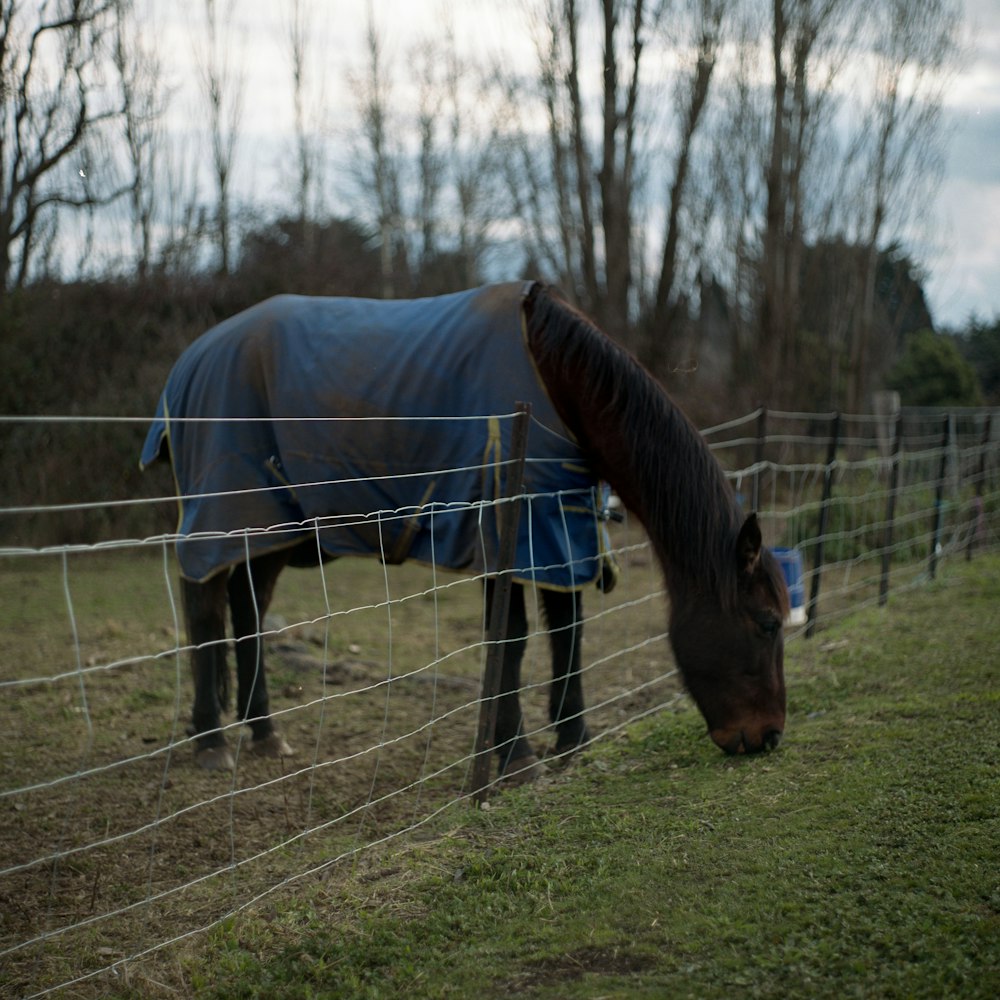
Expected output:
(286, 421)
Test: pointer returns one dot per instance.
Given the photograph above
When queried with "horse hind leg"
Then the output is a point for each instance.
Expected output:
(250, 592)
(516, 757)
(564, 614)
(205, 615)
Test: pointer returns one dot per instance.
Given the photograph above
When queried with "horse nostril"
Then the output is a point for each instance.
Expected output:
(772, 738)
(729, 743)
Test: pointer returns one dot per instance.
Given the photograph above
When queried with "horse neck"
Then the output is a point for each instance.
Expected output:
(644, 446)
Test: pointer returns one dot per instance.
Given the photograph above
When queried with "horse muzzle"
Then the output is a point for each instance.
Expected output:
(735, 741)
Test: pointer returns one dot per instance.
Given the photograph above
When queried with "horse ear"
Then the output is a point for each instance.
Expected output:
(748, 545)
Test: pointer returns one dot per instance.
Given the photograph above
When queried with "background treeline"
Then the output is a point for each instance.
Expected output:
(724, 185)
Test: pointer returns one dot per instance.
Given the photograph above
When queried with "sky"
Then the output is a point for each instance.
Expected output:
(957, 240)
(964, 264)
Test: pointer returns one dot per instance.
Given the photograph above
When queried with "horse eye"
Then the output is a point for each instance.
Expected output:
(769, 626)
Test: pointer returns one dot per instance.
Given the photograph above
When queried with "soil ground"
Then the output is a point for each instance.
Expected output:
(114, 841)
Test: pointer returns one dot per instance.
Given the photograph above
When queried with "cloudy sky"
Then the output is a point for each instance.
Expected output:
(958, 238)
(964, 265)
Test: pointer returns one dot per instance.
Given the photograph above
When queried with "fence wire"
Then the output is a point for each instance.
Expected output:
(115, 844)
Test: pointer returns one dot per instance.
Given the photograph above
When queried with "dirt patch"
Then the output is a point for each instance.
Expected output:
(114, 842)
(609, 961)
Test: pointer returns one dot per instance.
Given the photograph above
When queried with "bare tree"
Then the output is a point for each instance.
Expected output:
(454, 164)
(143, 103)
(590, 180)
(620, 156)
(799, 198)
(307, 103)
(428, 168)
(806, 47)
(54, 106)
(692, 97)
(186, 228)
(737, 189)
(541, 186)
(430, 157)
(617, 174)
(379, 160)
(222, 82)
(472, 163)
(897, 149)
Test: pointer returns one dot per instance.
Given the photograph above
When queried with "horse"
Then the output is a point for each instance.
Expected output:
(271, 415)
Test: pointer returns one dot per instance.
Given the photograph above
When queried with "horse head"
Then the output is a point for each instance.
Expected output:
(731, 652)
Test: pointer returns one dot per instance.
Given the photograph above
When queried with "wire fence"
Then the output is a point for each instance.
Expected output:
(871, 503)
(115, 844)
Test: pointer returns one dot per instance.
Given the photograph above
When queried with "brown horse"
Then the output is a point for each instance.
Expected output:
(727, 594)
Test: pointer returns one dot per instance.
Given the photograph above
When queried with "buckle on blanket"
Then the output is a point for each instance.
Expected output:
(609, 513)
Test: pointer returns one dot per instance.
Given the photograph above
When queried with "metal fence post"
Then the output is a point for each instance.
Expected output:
(824, 511)
(500, 606)
(890, 510)
(939, 496)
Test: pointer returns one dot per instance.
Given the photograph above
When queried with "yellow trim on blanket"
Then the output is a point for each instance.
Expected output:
(603, 554)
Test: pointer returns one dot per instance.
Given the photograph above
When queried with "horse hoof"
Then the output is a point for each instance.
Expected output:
(563, 752)
(271, 745)
(522, 771)
(215, 758)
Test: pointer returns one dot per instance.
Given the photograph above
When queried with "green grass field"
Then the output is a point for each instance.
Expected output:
(862, 859)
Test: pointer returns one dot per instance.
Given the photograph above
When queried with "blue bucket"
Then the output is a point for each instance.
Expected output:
(790, 561)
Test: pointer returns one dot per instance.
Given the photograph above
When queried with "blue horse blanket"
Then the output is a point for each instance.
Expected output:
(374, 427)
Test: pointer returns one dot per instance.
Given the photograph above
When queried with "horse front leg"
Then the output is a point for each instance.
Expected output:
(205, 615)
(517, 760)
(564, 614)
(250, 592)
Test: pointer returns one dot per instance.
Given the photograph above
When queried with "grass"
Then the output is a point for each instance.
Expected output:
(114, 841)
(860, 860)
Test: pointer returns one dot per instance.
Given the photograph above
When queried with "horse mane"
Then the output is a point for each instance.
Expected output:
(678, 488)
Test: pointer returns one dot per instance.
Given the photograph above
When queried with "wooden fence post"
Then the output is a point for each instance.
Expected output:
(939, 496)
(824, 511)
(890, 510)
(500, 606)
